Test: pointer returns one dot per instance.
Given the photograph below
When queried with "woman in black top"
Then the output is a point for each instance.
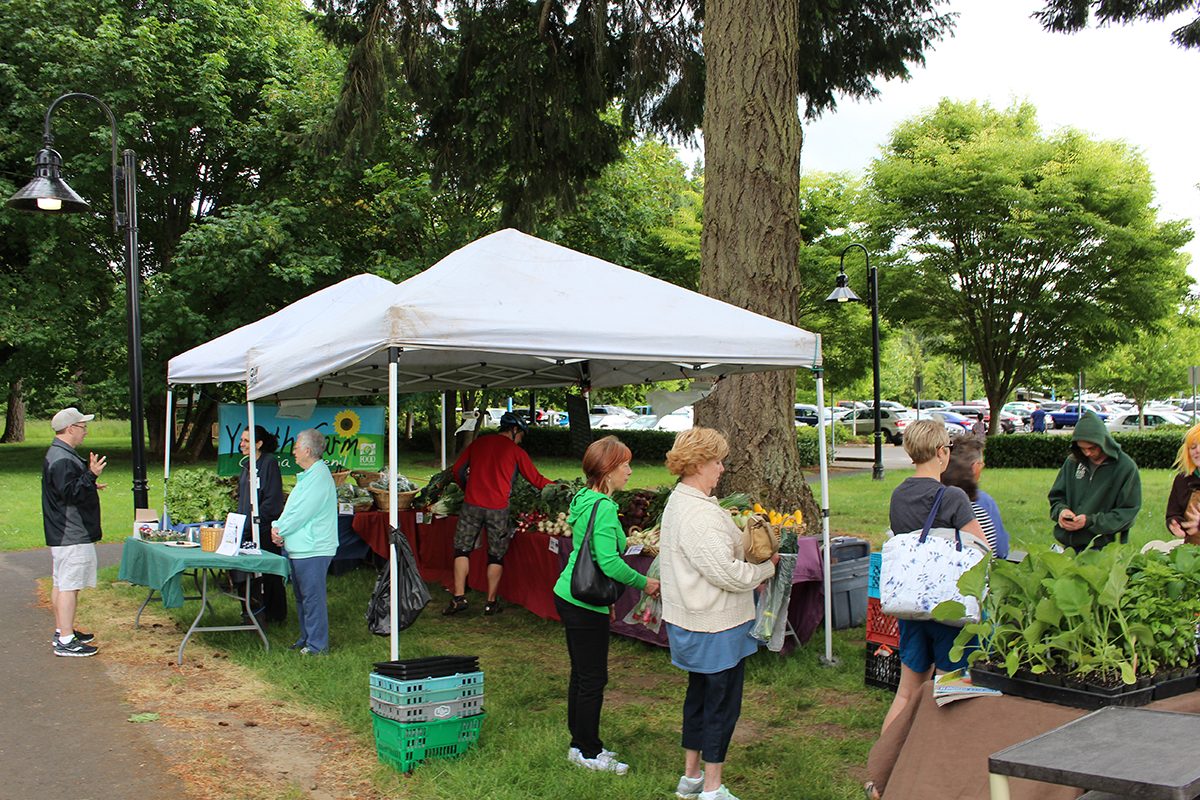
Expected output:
(268, 589)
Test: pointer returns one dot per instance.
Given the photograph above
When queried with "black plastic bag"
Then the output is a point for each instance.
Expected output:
(412, 597)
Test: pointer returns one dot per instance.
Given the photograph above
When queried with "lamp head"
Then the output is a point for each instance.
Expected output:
(843, 293)
(48, 192)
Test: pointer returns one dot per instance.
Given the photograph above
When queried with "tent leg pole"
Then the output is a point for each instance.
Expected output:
(168, 436)
(443, 427)
(828, 659)
(255, 533)
(393, 512)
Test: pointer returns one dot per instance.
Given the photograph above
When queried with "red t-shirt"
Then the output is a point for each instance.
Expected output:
(494, 461)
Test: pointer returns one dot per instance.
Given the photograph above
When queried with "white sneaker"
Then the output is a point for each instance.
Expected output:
(603, 762)
(720, 793)
(689, 788)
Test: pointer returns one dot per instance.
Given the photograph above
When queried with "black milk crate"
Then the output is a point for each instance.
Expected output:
(428, 667)
(883, 667)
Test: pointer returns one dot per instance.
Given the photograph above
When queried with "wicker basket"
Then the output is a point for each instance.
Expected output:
(340, 477)
(403, 499)
(210, 538)
(363, 479)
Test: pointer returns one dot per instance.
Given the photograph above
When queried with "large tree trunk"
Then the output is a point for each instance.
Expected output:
(14, 418)
(751, 238)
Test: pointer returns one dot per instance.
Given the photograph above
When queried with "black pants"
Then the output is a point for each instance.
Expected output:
(587, 644)
(268, 592)
(710, 711)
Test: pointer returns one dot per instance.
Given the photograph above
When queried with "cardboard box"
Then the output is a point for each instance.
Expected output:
(145, 520)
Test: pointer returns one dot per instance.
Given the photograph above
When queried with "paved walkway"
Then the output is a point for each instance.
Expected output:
(65, 731)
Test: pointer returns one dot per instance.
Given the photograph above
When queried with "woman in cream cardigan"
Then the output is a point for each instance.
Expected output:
(708, 605)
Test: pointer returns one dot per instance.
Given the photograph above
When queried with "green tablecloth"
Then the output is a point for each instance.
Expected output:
(159, 566)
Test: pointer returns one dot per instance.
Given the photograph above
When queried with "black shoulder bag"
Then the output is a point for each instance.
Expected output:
(589, 584)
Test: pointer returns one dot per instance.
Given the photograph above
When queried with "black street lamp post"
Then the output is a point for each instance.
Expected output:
(844, 294)
(48, 193)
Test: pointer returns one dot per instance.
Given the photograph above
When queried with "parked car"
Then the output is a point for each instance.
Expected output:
(1009, 422)
(1068, 415)
(927, 404)
(643, 422)
(608, 417)
(1050, 406)
(891, 422)
(681, 419)
(1128, 421)
(806, 414)
(956, 424)
(1021, 408)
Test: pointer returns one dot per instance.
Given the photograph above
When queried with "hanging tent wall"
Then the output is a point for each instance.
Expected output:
(506, 311)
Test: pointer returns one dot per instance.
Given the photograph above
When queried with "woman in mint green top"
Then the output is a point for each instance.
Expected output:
(606, 467)
(307, 531)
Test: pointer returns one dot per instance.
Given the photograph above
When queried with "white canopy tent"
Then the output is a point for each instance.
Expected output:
(509, 310)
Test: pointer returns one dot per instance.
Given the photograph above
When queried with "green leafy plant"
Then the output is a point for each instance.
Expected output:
(1108, 616)
(198, 495)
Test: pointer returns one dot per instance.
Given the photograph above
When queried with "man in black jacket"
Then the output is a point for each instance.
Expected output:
(71, 519)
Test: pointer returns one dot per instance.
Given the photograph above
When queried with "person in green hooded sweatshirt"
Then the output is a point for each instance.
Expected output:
(1098, 491)
(606, 467)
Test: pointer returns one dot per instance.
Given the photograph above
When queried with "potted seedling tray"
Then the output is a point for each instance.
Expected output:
(1079, 695)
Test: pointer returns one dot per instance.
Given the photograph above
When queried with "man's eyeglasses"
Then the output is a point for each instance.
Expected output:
(80, 425)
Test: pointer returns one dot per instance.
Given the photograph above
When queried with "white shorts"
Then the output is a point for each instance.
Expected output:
(74, 566)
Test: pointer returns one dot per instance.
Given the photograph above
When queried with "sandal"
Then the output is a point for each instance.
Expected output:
(492, 607)
(870, 792)
(457, 604)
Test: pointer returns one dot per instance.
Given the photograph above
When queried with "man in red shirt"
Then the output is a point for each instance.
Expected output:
(486, 471)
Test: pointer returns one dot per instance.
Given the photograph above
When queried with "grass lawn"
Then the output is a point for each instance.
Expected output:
(805, 729)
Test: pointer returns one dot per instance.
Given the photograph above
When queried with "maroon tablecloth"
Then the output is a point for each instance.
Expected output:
(372, 528)
(531, 567)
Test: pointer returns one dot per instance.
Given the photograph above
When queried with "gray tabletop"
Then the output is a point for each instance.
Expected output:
(1130, 751)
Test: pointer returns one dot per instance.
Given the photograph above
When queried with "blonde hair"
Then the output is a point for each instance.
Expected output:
(923, 438)
(694, 447)
(1183, 461)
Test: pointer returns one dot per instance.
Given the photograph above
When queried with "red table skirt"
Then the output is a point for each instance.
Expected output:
(531, 568)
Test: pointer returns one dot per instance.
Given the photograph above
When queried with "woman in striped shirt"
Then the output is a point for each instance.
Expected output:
(966, 464)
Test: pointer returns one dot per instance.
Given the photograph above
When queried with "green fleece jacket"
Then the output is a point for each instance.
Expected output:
(608, 542)
(1109, 494)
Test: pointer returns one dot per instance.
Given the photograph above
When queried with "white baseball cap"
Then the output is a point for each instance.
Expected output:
(68, 417)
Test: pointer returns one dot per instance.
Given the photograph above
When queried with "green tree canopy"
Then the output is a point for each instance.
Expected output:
(1026, 250)
(1069, 16)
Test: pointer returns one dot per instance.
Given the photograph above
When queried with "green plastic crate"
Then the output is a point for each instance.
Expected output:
(406, 745)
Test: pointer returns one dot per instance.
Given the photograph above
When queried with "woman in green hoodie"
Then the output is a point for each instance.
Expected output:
(606, 467)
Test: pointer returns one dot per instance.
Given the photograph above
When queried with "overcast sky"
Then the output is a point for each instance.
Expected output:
(1125, 82)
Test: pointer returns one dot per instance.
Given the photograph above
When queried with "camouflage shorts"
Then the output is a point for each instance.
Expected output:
(473, 519)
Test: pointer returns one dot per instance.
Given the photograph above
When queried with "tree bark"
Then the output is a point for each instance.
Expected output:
(751, 238)
(14, 418)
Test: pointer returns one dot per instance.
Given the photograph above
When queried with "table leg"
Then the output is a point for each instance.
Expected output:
(244, 597)
(199, 614)
(137, 621)
(999, 786)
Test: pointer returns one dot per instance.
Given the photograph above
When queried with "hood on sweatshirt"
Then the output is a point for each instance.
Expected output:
(1090, 428)
(581, 507)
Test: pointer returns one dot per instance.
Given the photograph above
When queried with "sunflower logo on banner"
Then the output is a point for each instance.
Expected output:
(347, 424)
(357, 435)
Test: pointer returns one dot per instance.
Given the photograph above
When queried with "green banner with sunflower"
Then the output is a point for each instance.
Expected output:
(355, 436)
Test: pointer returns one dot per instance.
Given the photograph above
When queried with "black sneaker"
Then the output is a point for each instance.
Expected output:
(74, 648)
(80, 636)
(492, 607)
